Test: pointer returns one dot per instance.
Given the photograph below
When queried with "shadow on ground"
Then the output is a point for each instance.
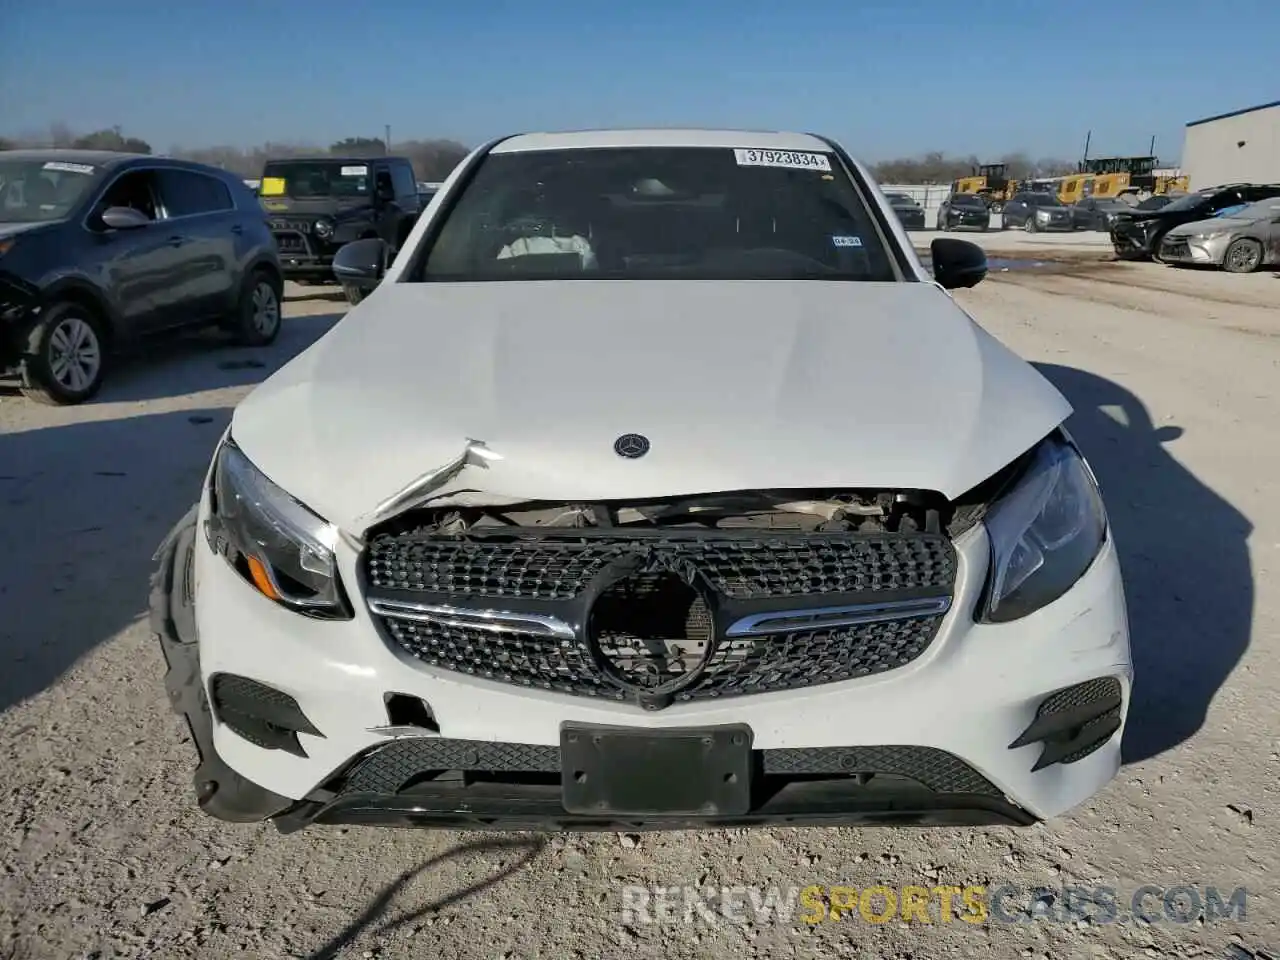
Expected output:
(181, 364)
(82, 509)
(1184, 555)
(526, 847)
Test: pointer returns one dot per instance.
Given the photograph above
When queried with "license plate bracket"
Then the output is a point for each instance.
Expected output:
(642, 772)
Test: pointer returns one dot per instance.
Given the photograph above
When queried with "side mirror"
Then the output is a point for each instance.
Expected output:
(361, 263)
(124, 218)
(958, 263)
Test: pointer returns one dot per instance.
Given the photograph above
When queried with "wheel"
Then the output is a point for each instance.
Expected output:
(1029, 225)
(984, 227)
(64, 361)
(1004, 224)
(256, 321)
(1243, 256)
(354, 294)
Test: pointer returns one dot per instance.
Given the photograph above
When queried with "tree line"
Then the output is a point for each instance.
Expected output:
(938, 167)
(434, 158)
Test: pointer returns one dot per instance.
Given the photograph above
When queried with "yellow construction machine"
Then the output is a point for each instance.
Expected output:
(990, 182)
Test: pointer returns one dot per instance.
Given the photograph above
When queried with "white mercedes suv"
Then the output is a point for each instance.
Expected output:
(657, 483)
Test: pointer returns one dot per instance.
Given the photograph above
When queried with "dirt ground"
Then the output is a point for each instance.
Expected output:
(1174, 376)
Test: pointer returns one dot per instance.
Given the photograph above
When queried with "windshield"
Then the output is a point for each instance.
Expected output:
(1261, 210)
(967, 200)
(1154, 203)
(899, 198)
(659, 213)
(315, 178)
(35, 190)
(1043, 200)
(1192, 201)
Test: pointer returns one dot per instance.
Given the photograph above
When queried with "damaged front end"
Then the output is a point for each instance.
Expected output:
(676, 599)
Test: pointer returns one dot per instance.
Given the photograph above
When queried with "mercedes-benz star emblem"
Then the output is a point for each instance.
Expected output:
(631, 445)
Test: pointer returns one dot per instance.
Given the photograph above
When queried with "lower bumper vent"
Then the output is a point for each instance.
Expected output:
(1074, 722)
(263, 715)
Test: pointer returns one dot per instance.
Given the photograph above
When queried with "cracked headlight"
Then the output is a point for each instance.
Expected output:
(1044, 533)
(280, 547)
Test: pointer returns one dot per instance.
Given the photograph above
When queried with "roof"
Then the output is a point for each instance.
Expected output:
(1236, 113)
(662, 137)
(97, 158)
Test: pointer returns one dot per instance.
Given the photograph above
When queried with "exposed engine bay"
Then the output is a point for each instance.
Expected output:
(816, 511)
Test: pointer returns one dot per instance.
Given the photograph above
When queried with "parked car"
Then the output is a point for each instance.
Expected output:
(1241, 241)
(99, 251)
(907, 210)
(317, 204)
(505, 549)
(1137, 234)
(1033, 211)
(963, 210)
(1093, 213)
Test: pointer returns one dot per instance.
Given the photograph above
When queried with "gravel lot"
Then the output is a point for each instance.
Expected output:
(1174, 376)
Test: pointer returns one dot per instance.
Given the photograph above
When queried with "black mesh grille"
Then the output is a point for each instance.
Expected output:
(1082, 694)
(652, 628)
(740, 665)
(533, 661)
(399, 764)
(739, 567)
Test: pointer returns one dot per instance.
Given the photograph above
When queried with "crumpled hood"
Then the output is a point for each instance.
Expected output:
(741, 385)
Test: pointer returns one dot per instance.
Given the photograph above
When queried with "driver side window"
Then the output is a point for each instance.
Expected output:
(135, 190)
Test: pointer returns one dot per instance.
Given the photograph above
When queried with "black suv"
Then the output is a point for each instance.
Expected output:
(1136, 234)
(98, 250)
(316, 204)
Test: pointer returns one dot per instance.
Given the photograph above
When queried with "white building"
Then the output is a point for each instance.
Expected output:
(1241, 146)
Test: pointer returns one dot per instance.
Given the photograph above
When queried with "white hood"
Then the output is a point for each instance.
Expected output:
(742, 385)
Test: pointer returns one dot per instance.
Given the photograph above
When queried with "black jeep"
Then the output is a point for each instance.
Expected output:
(317, 204)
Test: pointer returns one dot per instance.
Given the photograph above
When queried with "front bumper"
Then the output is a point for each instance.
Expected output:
(1190, 249)
(18, 300)
(303, 255)
(1130, 244)
(970, 221)
(929, 742)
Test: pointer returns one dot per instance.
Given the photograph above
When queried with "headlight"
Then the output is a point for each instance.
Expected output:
(1044, 533)
(1042, 213)
(7, 245)
(323, 228)
(279, 546)
(1211, 235)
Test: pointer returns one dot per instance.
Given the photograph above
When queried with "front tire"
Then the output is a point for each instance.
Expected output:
(1029, 225)
(1243, 256)
(65, 360)
(256, 322)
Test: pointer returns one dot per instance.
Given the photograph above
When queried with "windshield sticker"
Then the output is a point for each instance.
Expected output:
(357, 171)
(790, 159)
(63, 167)
(840, 241)
(272, 187)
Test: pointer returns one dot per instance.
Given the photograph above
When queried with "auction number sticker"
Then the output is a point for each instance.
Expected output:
(791, 159)
(61, 166)
(357, 171)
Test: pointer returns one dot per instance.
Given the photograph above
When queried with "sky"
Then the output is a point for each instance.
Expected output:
(886, 78)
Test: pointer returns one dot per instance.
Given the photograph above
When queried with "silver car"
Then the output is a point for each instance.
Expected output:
(1242, 241)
